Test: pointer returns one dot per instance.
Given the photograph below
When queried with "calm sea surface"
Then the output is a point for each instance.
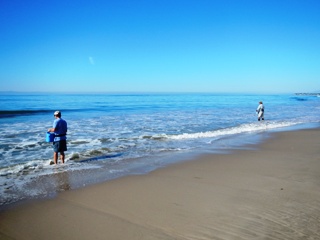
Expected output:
(112, 135)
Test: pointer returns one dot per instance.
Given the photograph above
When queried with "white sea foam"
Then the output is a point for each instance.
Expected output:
(244, 128)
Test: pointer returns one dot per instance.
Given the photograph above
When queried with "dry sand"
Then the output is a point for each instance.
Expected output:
(272, 192)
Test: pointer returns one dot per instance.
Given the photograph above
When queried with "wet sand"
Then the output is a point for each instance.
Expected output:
(272, 192)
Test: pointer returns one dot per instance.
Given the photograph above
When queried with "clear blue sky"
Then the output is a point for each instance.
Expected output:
(258, 46)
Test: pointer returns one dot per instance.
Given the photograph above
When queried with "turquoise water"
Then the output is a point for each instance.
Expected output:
(131, 133)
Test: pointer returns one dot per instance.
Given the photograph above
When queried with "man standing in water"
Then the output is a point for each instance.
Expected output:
(60, 141)
(260, 111)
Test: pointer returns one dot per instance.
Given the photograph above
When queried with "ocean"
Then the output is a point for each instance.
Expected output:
(114, 135)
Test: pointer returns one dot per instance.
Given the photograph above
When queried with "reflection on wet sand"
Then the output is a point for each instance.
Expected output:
(62, 182)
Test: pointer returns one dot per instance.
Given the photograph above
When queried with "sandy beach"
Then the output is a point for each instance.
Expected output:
(269, 192)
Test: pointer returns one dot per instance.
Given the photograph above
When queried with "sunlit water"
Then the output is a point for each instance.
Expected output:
(112, 135)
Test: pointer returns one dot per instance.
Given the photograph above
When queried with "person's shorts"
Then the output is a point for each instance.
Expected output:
(60, 146)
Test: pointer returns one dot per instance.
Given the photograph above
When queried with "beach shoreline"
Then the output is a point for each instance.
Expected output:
(270, 192)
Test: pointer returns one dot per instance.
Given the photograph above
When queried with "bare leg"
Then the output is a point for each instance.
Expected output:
(55, 157)
(62, 156)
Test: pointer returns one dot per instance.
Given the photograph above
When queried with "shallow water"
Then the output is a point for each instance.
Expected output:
(112, 135)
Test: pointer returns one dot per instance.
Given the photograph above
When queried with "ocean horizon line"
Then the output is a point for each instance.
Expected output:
(145, 92)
